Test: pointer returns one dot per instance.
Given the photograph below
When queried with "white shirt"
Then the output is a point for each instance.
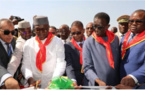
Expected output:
(121, 35)
(67, 40)
(16, 57)
(54, 65)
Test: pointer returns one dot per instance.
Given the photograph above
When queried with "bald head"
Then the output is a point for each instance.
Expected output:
(137, 21)
(64, 26)
(89, 28)
(5, 21)
(140, 10)
(64, 31)
(114, 29)
(142, 13)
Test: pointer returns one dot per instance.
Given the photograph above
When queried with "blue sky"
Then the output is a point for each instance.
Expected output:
(66, 11)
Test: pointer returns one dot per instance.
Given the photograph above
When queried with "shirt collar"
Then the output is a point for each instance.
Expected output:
(43, 41)
(134, 34)
(121, 35)
(2, 42)
(80, 42)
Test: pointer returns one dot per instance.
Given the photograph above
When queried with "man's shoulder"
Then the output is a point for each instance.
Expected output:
(20, 40)
(116, 38)
(69, 43)
(57, 40)
(89, 39)
(29, 41)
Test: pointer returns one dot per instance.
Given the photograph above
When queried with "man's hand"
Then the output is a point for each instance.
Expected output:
(100, 82)
(15, 21)
(128, 81)
(34, 83)
(11, 83)
(121, 86)
(48, 84)
(76, 85)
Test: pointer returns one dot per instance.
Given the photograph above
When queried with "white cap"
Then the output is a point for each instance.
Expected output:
(24, 24)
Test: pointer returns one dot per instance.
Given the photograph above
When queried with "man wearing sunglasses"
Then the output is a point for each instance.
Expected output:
(7, 45)
(43, 56)
(73, 54)
(89, 29)
(132, 68)
(100, 54)
(15, 62)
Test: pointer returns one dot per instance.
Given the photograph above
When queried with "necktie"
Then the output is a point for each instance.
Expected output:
(8, 49)
(81, 45)
(132, 35)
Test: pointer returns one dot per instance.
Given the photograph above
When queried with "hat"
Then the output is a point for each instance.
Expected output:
(40, 20)
(24, 24)
(123, 19)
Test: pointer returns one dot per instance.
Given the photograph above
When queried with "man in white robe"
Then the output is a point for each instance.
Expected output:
(43, 56)
(16, 59)
(25, 33)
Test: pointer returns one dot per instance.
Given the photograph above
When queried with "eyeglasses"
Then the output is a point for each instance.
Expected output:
(138, 21)
(7, 32)
(98, 27)
(89, 28)
(77, 33)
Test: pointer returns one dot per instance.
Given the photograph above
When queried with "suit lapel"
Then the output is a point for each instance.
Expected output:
(75, 49)
(13, 43)
(3, 49)
(4, 56)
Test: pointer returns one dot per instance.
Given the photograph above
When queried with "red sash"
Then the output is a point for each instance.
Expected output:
(41, 55)
(136, 40)
(111, 37)
(79, 48)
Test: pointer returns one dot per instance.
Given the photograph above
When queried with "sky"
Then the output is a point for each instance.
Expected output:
(67, 11)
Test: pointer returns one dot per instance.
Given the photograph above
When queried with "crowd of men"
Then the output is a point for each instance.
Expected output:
(103, 58)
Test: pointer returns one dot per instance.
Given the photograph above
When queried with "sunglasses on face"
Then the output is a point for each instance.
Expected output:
(77, 33)
(89, 28)
(138, 21)
(98, 27)
(7, 32)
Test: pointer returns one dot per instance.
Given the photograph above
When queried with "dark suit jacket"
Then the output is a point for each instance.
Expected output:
(4, 58)
(73, 67)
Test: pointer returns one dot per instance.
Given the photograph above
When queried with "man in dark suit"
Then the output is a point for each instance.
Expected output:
(73, 53)
(7, 44)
